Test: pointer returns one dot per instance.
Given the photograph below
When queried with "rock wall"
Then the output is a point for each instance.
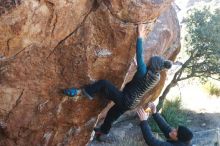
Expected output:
(49, 45)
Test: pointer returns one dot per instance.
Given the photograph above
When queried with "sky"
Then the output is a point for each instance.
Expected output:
(182, 4)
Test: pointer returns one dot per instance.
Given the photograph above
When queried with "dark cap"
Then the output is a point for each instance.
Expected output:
(184, 134)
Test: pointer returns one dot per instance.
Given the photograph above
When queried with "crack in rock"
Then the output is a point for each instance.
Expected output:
(16, 104)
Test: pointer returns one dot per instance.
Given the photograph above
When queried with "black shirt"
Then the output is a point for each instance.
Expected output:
(164, 127)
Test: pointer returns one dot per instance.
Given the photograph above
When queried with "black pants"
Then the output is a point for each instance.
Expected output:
(108, 90)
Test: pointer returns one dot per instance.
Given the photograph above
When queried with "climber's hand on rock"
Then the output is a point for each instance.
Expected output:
(141, 30)
(142, 114)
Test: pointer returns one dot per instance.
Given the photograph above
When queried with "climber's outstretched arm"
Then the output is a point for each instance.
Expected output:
(141, 66)
(163, 125)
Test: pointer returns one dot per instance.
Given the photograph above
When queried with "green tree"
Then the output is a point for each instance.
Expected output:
(203, 48)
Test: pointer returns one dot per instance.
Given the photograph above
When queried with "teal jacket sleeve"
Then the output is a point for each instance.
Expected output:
(141, 66)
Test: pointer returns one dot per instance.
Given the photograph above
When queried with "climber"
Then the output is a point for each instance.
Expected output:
(175, 137)
(145, 78)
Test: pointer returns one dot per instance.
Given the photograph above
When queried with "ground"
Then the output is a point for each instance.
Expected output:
(203, 113)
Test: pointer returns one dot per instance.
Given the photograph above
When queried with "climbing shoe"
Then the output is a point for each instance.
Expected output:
(71, 92)
(102, 137)
(98, 134)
